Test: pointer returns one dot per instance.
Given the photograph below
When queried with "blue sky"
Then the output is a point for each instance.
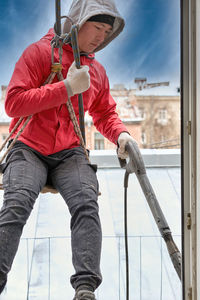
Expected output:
(148, 47)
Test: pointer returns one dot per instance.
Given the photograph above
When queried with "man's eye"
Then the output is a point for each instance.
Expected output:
(97, 27)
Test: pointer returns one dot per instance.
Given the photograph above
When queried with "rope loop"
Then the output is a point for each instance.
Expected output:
(56, 67)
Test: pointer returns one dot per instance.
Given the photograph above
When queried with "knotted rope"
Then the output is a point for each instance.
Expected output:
(56, 69)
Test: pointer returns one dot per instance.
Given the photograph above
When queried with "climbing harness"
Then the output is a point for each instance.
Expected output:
(56, 70)
(136, 165)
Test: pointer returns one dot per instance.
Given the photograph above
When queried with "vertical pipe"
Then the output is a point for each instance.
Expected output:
(75, 47)
(126, 242)
(27, 259)
(161, 264)
(58, 23)
(81, 116)
(119, 268)
(140, 268)
(49, 283)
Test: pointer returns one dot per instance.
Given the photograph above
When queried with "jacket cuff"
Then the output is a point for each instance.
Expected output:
(117, 136)
(68, 87)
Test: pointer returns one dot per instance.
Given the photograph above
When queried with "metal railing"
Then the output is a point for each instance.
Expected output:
(42, 270)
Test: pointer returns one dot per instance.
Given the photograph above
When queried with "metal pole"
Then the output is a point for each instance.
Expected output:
(49, 283)
(136, 165)
(58, 22)
(74, 42)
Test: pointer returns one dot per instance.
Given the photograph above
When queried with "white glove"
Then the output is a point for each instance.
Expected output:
(78, 80)
(123, 139)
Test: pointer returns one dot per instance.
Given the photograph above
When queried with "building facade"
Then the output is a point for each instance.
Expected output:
(4, 119)
(153, 121)
(161, 121)
(128, 113)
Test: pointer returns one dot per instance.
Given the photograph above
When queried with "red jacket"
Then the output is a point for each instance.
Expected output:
(50, 130)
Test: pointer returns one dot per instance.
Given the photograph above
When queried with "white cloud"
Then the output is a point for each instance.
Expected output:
(109, 57)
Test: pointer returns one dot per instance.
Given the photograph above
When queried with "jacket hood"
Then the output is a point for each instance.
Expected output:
(81, 10)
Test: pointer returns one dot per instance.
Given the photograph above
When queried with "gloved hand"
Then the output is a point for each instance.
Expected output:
(78, 80)
(123, 138)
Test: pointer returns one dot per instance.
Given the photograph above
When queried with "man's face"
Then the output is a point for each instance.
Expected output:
(91, 35)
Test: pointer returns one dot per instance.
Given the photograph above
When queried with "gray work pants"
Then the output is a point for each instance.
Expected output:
(25, 174)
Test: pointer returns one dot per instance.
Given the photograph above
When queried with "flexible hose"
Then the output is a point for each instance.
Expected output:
(126, 176)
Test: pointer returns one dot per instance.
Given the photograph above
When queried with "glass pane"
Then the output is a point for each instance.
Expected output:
(143, 67)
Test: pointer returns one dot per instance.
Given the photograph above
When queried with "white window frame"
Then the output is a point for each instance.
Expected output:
(162, 114)
(143, 138)
(198, 140)
(100, 140)
(191, 147)
(142, 112)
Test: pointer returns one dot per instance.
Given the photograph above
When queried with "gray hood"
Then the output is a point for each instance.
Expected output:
(81, 10)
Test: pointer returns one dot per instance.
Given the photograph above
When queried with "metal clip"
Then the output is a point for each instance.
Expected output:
(189, 127)
(189, 221)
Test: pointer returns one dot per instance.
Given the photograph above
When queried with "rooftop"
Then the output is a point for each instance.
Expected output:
(44, 254)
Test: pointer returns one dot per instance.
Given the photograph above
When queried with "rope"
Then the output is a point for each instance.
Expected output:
(50, 79)
(74, 120)
(8, 137)
(15, 139)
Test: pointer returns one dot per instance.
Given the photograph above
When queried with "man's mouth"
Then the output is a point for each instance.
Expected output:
(94, 45)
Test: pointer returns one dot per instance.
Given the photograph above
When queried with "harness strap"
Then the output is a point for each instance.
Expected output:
(55, 70)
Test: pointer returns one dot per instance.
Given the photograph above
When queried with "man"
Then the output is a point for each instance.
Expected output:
(48, 150)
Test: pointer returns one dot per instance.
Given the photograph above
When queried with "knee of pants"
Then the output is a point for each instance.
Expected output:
(86, 210)
(16, 208)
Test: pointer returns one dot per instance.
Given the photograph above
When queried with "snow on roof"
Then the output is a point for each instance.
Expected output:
(148, 259)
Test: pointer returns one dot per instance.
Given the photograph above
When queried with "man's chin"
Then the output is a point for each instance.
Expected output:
(91, 48)
(88, 50)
